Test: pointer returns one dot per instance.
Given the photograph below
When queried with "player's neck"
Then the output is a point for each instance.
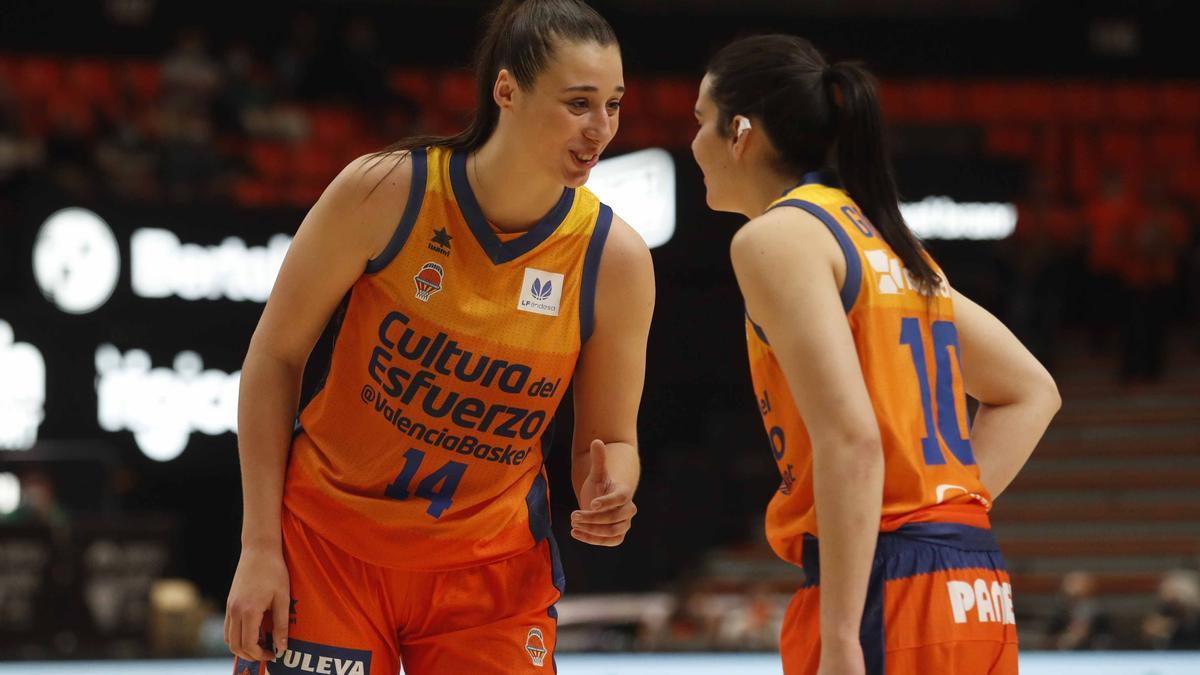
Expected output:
(510, 196)
(763, 187)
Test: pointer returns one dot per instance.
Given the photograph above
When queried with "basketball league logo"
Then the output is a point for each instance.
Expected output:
(428, 280)
(541, 292)
(535, 646)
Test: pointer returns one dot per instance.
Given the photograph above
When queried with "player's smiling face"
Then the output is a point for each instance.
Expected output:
(711, 148)
(572, 111)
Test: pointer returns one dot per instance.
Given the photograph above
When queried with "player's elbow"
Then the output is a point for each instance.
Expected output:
(1053, 397)
(1041, 389)
(857, 446)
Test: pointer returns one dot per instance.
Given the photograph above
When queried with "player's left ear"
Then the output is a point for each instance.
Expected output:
(504, 89)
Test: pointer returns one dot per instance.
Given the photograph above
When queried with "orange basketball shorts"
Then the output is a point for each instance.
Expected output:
(938, 601)
(352, 618)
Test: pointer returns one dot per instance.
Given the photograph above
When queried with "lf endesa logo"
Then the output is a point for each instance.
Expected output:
(77, 263)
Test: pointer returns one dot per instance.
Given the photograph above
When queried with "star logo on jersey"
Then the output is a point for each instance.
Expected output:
(440, 243)
(428, 280)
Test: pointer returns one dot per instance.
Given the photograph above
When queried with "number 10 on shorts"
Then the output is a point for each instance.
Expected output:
(438, 487)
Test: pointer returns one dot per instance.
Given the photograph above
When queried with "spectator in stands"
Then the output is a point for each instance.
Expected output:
(1105, 215)
(69, 151)
(297, 62)
(756, 623)
(1042, 252)
(18, 153)
(242, 90)
(1078, 622)
(128, 162)
(1176, 622)
(1151, 244)
(363, 78)
(190, 167)
(39, 504)
(190, 77)
(691, 625)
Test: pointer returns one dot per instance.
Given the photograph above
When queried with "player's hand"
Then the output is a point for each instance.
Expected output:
(841, 658)
(260, 588)
(607, 508)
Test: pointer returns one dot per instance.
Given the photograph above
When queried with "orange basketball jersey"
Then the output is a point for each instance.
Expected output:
(423, 448)
(907, 345)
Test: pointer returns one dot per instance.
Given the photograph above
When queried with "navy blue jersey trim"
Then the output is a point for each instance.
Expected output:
(499, 251)
(333, 329)
(537, 501)
(758, 330)
(850, 288)
(910, 551)
(416, 196)
(871, 630)
(591, 271)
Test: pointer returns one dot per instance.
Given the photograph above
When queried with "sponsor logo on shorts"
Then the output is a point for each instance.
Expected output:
(310, 657)
(535, 646)
(244, 667)
(984, 601)
(428, 280)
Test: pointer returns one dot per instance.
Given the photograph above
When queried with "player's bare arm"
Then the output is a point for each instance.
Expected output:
(1017, 396)
(608, 390)
(803, 317)
(351, 222)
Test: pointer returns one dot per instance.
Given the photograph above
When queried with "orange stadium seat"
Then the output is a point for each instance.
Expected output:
(1033, 102)
(93, 77)
(38, 77)
(255, 192)
(145, 78)
(936, 101)
(1011, 141)
(8, 71)
(456, 91)
(1136, 103)
(894, 98)
(989, 102)
(316, 164)
(1080, 102)
(635, 102)
(332, 126)
(270, 160)
(415, 84)
(1173, 146)
(1180, 102)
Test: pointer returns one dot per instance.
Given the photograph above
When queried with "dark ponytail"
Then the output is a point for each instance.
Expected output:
(865, 168)
(785, 82)
(520, 36)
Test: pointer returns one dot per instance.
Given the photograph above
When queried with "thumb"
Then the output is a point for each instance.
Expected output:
(599, 455)
(279, 616)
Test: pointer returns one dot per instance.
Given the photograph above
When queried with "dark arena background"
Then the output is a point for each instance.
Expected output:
(156, 158)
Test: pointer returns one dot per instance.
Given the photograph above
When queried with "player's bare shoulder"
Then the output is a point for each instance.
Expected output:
(365, 200)
(625, 250)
